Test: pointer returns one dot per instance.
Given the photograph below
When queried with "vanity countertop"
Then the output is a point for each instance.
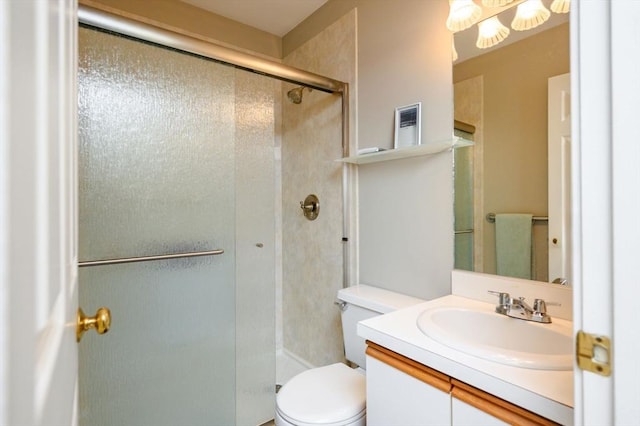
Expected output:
(547, 393)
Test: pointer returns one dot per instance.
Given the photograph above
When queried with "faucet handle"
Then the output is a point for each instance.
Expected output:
(540, 306)
(503, 301)
(503, 298)
(540, 310)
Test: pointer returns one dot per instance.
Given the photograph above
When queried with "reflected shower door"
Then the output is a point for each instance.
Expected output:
(463, 205)
(157, 176)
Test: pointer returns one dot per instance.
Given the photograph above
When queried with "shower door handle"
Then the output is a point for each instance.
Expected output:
(101, 322)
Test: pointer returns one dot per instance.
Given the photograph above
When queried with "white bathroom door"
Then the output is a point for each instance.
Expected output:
(559, 172)
(606, 203)
(38, 295)
(625, 206)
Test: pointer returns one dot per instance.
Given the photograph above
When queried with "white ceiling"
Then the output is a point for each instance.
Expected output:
(273, 16)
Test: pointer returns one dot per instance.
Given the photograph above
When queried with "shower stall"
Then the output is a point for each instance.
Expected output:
(182, 201)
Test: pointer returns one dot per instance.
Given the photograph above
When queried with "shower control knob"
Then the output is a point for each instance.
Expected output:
(310, 207)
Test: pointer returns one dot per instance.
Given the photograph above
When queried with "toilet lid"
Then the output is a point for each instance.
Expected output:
(324, 395)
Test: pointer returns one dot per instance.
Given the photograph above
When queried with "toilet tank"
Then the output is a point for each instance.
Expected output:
(364, 302)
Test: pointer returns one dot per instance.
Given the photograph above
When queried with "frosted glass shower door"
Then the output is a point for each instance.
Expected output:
(156, 175)
(463, 205)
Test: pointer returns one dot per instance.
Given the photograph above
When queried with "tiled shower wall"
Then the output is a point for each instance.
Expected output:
(312, 250)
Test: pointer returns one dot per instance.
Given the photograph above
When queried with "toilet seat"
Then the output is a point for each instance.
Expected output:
(333, 395)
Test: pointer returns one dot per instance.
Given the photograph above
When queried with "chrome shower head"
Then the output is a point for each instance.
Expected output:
(295, 95)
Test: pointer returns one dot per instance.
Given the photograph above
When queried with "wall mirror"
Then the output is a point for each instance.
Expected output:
(501, 100)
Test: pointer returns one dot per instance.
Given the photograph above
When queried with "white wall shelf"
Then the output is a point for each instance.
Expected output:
(408, 152)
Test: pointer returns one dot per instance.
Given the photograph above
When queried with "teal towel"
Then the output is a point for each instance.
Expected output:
(513, 245)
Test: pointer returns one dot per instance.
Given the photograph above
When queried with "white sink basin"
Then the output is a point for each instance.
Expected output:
(500, 338)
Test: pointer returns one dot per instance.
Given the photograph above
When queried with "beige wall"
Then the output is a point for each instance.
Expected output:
(312, 250)
(405, 212)
(404, 56)
(515, 128)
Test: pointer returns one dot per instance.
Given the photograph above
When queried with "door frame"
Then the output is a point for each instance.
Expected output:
(603, 60)
(38, 262)
(625, 86)
(606, 200)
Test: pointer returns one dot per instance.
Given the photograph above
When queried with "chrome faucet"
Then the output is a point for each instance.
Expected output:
(518, 308)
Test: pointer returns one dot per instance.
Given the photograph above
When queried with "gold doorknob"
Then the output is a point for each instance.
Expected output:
(101, 322)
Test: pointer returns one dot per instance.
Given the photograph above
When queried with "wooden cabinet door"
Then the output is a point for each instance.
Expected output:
(403, 392)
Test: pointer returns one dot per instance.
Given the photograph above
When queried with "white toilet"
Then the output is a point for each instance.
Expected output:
(334, 395)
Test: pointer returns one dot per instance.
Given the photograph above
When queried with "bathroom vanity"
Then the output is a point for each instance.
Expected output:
(488, 369)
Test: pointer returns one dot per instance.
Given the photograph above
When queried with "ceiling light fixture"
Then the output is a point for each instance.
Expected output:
(462, 14)
(530, 14)
(491, 32)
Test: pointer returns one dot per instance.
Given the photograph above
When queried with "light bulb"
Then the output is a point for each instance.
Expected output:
(462, 14)
(529, 15)
(491, 32)
(561, 6)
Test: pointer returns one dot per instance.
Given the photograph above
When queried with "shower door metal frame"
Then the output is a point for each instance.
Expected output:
(121, 25)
